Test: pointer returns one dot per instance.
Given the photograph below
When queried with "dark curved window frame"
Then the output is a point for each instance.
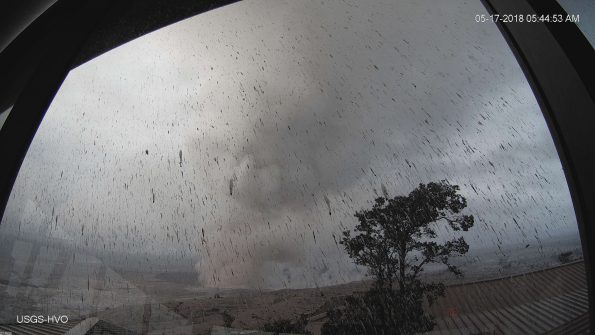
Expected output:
(555, 58)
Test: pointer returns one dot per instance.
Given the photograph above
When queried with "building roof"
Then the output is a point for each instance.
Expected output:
(549, 301)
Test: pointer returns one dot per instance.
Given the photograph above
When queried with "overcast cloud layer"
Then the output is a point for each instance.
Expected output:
(248, 136)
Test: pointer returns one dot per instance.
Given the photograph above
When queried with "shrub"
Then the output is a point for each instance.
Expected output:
(380, 312)
(287, 326)
(227, 319)
(565, 257)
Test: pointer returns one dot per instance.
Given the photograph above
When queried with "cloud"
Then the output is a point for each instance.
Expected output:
(247, 137)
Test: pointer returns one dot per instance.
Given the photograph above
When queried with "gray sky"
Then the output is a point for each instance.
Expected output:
(261, 117)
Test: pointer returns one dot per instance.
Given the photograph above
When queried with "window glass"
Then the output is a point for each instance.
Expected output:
(203, 176)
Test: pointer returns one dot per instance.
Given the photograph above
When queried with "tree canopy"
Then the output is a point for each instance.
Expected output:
(395, 240)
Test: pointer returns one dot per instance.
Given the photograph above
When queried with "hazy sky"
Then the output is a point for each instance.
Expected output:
(230, 136)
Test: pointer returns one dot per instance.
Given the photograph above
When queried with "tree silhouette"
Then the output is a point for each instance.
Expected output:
(227, 319)
(395, 241)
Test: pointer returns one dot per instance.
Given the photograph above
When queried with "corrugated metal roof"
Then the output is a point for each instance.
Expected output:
(106, 328)
(98, 327)
(553, 301)
(37, 328)
(218, 330)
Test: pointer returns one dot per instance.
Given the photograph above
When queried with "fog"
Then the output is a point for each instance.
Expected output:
(244, 139)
